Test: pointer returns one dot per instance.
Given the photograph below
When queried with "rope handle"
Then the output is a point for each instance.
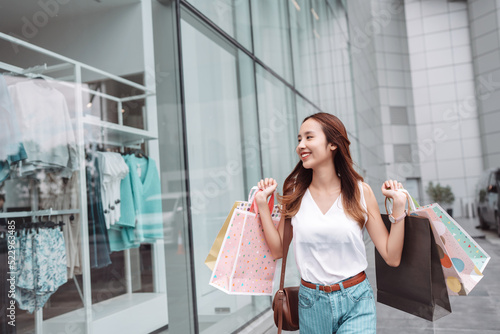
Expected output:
(251, 199)
(411, 204)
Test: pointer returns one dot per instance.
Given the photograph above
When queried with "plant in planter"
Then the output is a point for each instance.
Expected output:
(441, 195)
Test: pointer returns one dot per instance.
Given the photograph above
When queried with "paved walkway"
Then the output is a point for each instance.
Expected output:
(477, 313)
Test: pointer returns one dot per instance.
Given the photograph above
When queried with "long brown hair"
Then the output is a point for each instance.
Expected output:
(300, 178)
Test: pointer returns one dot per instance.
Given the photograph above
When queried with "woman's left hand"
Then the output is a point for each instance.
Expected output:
(389, 189)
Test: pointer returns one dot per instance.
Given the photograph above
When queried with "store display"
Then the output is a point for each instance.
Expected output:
(45, 127)
(60, 193)
(141, 211)
(113, 170)
(10, 135)
(98, 233)
(46, 185)
(41, 266)
(12, 150)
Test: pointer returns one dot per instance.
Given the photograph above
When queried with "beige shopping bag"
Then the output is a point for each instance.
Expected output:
(216, 246)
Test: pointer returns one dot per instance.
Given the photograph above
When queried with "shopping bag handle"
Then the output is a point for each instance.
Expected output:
(411, 205)
(252, 193)
(251, 199)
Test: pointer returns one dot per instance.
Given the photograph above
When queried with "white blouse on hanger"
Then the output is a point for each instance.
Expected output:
(113, 169)
(45, 127)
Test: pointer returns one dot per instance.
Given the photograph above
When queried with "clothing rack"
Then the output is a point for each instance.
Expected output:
(38, 213)
(145, 305)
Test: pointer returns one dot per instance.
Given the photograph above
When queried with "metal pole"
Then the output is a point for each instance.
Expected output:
(87, 292)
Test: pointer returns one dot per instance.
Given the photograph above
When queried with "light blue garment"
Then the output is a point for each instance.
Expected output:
(141, 211)
(5, 165)
(41, 267)
(127, 207)
(11, 148)
(350, 310)
(119, 238)
(4, 171)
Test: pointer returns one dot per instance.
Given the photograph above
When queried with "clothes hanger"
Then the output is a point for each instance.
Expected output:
(139, 153)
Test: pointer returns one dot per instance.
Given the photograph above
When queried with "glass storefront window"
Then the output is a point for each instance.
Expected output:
(208, 131)
(324, 47)
(231, 16)
(270, 24)
(304, 57)
(82, 188)
(304, 109)
(223, 159)
(277, 124)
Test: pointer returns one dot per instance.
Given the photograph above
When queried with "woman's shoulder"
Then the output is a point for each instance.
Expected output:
(367, 192)
(366, 186)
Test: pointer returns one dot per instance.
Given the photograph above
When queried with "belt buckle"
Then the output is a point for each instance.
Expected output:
(327, 288)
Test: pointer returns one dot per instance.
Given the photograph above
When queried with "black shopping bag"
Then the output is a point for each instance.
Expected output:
(417, 286)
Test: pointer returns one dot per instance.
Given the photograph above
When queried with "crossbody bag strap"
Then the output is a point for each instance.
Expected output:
(287, 238)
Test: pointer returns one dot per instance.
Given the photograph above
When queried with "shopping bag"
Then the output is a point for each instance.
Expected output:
(463, 260)
(417, 285)
(214, 251)
(244, 264)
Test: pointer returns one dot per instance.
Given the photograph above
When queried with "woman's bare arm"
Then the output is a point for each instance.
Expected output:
(389, 245)
(274, 237)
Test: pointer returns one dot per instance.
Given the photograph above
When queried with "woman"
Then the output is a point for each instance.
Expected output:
(330, 205)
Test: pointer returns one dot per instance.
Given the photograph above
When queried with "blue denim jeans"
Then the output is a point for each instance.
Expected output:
(350, 310)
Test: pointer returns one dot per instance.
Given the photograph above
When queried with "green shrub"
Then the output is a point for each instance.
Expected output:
(440, 194)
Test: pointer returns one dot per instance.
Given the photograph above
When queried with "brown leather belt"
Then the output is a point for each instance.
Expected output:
(336, 287)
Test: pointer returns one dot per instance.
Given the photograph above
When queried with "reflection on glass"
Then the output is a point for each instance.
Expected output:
(271, 36)
(41, 168)
(343, 103)
(304, 109)
(231, 16)
(278, 128)
(39, 171)
(303, 48)
(322, 24)
(223, 153)
(277, 123)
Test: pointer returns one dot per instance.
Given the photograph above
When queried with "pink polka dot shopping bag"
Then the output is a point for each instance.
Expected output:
(244, 264)
(462, 258)
(439, 259)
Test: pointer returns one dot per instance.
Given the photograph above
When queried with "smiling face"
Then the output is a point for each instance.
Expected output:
(313, 148)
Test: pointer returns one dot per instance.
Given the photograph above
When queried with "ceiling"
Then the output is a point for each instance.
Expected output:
(15, 13)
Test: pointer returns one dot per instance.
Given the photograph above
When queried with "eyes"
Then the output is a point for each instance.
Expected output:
(307, 137)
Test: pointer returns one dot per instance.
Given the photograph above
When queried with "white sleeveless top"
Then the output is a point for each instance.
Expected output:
(328, 248)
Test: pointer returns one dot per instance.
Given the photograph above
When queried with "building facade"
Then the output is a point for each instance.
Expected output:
(213, 93)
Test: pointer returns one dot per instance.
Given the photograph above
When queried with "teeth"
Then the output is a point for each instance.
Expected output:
(305, 155)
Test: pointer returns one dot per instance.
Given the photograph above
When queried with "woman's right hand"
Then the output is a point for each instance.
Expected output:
(268, 186)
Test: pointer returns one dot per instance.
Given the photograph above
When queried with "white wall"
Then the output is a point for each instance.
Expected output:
(484, 18)
(443, 87)
(396, 98)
